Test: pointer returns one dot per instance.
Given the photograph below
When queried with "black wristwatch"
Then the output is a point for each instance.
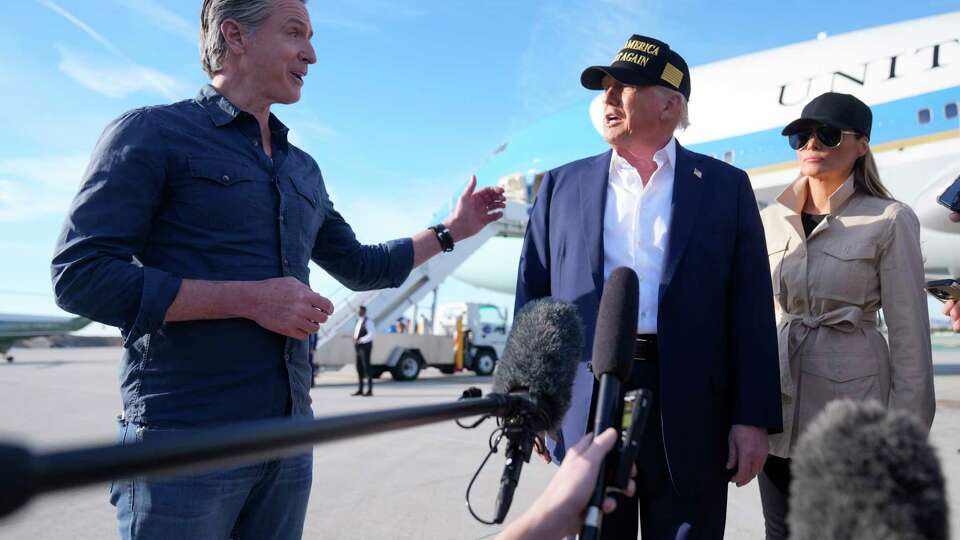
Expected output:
(443, 236)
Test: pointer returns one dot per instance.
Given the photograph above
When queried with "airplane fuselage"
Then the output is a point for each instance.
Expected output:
(908, 72)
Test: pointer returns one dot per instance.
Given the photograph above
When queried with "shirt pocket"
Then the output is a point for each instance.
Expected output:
(826, 377)
(847, 272)
(309, 208)
(223, 195)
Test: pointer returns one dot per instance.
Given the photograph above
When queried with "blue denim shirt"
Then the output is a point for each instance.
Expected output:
(185, 191)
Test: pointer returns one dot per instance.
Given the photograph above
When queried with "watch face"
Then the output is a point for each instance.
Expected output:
(443, 237)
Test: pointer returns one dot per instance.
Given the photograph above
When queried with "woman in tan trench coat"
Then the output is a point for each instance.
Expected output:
(840, 249)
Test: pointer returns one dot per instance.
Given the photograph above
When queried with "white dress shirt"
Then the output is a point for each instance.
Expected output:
(370, 330)
(636, 226)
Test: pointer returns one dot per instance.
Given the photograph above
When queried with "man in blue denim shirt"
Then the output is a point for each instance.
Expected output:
(192, 232)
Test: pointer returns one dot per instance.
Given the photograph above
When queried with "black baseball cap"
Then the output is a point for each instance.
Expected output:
(833, 109)
(643, 61)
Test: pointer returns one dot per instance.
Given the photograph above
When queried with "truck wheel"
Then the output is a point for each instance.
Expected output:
(484, 362)
(407, 368)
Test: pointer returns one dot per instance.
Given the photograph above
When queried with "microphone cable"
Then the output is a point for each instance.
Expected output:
(494, 441)
(513, 428)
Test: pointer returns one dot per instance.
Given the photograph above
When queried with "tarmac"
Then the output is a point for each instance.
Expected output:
(407, 484)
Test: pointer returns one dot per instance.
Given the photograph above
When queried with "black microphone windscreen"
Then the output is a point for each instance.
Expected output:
(541, 356)
(863, 472)
(616, 332)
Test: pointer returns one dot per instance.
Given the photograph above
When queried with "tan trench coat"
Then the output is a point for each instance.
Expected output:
(827, 291)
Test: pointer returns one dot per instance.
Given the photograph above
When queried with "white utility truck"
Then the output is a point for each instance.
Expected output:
(467, 336)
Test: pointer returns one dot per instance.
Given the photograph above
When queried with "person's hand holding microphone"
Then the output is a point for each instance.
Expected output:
(560, 510)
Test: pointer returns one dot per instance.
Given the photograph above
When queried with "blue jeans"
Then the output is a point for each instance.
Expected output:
(263, 501)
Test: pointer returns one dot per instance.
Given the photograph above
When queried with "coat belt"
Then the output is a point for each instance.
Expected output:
(797, 327)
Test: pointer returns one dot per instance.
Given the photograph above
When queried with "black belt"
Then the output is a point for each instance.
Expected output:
(645, 347)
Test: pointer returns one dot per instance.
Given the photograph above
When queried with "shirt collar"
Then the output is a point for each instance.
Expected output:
(222, 111)
(667, 155)
(794, 196)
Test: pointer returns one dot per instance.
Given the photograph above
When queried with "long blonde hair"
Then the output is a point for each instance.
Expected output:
(866, 178)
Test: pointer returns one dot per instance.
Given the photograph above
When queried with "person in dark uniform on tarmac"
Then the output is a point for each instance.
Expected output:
(363, 343)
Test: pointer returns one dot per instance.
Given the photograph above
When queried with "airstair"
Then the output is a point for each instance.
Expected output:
(385, 305)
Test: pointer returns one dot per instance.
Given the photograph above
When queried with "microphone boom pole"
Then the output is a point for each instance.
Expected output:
(27, 474)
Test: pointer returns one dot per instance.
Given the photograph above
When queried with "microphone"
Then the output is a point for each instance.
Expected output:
(861, 471)
(612, 362)
(540, 362)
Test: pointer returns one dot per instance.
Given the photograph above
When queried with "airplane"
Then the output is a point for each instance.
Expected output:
(907, 72)
(16, 327)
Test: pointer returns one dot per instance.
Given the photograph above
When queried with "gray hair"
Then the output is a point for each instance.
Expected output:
(213, 46)
(684, 121)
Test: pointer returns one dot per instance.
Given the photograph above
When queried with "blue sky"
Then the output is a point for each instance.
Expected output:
(407, 99)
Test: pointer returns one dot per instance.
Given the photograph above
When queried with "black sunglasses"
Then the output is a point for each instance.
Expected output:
(828, 136)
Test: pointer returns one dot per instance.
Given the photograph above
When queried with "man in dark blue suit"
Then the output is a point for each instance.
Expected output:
(689, 226)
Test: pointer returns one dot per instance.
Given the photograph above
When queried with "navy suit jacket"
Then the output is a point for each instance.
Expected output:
(716, 330)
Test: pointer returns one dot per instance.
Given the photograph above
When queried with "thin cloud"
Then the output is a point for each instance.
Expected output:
(163, 17)
(117, 81)
(303, 132)
(106, 77)
(86, 28)
(36, 187)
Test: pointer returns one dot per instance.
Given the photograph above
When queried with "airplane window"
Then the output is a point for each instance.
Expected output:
(924, 116)
(728, 156)
(950, 110)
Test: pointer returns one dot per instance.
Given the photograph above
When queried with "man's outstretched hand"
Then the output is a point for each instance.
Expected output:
(475, 210)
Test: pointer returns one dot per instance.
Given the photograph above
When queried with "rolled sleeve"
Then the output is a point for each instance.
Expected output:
(905, 312)
(159, 290)
(95, 271)
(399, 260)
